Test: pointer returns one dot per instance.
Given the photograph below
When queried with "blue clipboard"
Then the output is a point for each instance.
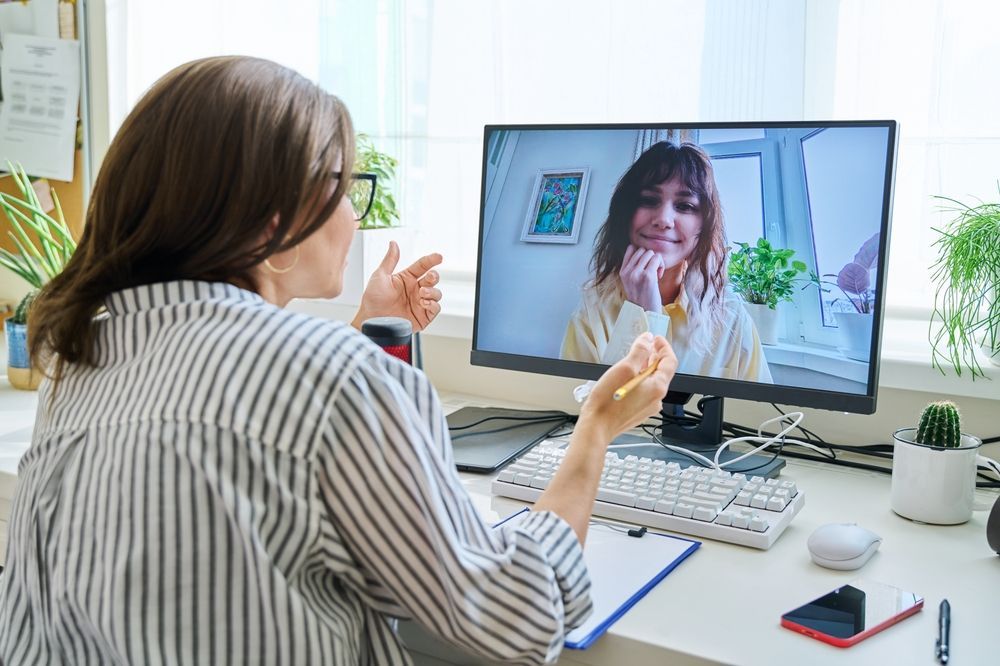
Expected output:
(618, 563)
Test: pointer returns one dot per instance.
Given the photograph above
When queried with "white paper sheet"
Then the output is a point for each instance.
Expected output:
(40, 77)
(38, 17)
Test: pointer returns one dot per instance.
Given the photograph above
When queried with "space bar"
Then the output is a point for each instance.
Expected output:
(615, 497)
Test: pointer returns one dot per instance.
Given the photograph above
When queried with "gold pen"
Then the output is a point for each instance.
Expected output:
(632, 383)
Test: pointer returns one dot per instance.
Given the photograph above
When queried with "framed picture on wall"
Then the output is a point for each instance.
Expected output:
(555, 210)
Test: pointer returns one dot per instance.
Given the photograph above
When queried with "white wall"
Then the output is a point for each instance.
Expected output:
(551, 274)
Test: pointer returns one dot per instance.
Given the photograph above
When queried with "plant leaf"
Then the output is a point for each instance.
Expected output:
(867, 256)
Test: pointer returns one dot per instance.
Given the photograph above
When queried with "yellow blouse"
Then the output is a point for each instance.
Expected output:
(737, 352)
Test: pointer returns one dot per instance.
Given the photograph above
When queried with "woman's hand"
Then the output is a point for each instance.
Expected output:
(612, 417)
(409, 294)
(640, 274)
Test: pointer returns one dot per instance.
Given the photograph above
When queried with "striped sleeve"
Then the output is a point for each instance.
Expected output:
(393, 496)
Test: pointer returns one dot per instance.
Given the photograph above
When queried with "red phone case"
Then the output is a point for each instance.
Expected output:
(857, 638)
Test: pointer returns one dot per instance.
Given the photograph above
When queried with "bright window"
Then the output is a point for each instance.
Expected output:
(424, 76)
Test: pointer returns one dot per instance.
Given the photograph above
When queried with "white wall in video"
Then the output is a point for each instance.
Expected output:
(754, 250)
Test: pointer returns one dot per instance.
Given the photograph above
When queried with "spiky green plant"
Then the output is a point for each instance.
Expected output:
(21, 312)
(44, 251)
(966, 276)
(940, 425)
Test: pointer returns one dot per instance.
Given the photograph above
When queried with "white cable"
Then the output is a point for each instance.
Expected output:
(794, 417)
(989, 463)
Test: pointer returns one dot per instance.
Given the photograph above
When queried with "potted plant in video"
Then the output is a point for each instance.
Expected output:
(966, 302)
(934, 468)
(764, 276)
(44, 245)
(854, 310)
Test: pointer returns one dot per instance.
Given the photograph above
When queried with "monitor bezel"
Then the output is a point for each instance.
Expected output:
(686, 383)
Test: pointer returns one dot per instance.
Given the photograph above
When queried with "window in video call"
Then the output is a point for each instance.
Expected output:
(592, 236)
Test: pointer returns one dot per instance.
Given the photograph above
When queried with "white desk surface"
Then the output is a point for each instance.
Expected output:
(722, 605)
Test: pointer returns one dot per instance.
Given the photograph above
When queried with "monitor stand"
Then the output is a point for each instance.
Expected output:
(703, 436)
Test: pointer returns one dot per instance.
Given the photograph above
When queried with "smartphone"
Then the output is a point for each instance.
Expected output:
(852, 612)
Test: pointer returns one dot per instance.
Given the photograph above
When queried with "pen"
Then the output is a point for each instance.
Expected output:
(944, 627)
(632, 383)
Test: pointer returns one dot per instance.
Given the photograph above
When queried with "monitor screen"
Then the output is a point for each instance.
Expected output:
(758, 250)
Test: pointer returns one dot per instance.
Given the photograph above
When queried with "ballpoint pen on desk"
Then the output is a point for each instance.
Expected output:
(942, 647)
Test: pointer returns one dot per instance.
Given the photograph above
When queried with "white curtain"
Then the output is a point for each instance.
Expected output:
(423, 76)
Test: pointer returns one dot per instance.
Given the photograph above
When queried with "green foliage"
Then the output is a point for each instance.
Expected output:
(383, 212)
(763, 274)
(21, 312)
(940, 425)
(44, 243)
(966, 276)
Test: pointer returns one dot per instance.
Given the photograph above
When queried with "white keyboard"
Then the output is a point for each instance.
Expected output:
(714, 504)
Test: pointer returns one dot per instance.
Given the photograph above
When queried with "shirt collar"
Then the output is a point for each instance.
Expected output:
(160, 294)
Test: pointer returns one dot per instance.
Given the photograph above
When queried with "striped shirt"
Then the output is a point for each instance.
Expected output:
(234, 484)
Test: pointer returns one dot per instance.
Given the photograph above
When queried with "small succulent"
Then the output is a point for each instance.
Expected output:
(940, 425)
(21, 312)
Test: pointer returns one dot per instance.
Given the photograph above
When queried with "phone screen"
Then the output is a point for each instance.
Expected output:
(852, 612)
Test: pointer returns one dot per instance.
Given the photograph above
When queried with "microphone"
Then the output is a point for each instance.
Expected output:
(393, 334)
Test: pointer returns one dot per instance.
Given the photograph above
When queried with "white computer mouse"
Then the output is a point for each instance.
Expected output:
(842, 546)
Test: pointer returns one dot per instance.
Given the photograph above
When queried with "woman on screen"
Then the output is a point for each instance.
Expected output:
(661, 256)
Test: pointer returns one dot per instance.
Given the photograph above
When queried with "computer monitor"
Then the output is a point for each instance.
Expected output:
(591, 234)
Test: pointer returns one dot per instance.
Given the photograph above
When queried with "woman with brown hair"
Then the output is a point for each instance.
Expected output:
(661, 254)
(213, 479)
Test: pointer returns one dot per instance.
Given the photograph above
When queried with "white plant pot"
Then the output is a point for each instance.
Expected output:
(855, 335)
(766, 321)
(933, 484)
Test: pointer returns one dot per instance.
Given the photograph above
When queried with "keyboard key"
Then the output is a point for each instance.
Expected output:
(790, 487)
(776, 504)
(616, 497)
(724, 519)
(743, 498)
(704, 513)
(541, 482)
(759, 501)
(758, 524)
(740, 521)
(665, 505)
(646, 502)
(683, 510)
(506, 475)
(522, 479)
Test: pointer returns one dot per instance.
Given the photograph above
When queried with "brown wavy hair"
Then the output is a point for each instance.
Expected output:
(705, 278)
(211, 154)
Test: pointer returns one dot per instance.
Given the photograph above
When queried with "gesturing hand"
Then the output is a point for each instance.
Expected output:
(640, 274)
(410, 293)
(614, 417)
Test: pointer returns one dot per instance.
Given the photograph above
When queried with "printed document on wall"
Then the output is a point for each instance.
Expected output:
(40, 81)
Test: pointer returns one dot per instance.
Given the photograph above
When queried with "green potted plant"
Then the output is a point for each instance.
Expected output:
(368, 248)
(368, 159)
(764, 276)
(966, 302)
(44, 245)
(934, 468)
(855, 314)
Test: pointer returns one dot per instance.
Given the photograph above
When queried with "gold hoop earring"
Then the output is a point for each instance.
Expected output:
(270, 266)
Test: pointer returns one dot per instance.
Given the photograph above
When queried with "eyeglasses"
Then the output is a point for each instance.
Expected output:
(361, 192)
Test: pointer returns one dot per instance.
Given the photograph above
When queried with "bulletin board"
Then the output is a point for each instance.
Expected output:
(72, 194)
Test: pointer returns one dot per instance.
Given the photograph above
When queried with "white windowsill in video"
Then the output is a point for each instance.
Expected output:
(906, 351)
(818, 359)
